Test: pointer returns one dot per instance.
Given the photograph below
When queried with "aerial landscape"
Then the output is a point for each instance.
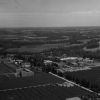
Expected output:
(49, 50)
(48, 61)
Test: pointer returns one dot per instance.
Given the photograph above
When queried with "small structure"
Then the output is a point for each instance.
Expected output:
(87, 60)
(19, 61)
(61, 64)
(69, 59)
(60, 71)
(23, 72)
(46, 62)
(26, 65)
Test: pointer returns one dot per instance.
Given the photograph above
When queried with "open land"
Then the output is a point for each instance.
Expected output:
(43, 86)
(40, 43)
(17, 39)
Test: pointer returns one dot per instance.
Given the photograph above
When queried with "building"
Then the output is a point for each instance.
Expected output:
(23, 72)
(48, 62)
(69, 59)
(12, 70)
(26, 65)
(18, 61)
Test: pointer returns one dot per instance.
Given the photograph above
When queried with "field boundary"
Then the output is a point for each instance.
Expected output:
(43, 85)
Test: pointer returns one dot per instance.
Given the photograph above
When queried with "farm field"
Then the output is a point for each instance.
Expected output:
(18, 40)
(40, 48)
(43, 86)
(50, 92)
(38, 79)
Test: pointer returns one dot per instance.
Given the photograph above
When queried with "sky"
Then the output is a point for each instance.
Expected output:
(49, 13)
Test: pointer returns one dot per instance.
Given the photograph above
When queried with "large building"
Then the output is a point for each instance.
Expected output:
(11, 69)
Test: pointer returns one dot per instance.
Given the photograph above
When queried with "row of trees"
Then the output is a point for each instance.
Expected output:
(74, 51)
(84, 82)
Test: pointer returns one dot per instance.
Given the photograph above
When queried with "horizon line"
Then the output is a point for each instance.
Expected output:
(49, 27)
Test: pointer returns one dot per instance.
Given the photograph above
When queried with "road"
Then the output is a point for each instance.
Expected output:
(73, 83)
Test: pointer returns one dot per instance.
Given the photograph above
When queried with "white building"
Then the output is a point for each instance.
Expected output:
(46, 62)
(69, 58)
